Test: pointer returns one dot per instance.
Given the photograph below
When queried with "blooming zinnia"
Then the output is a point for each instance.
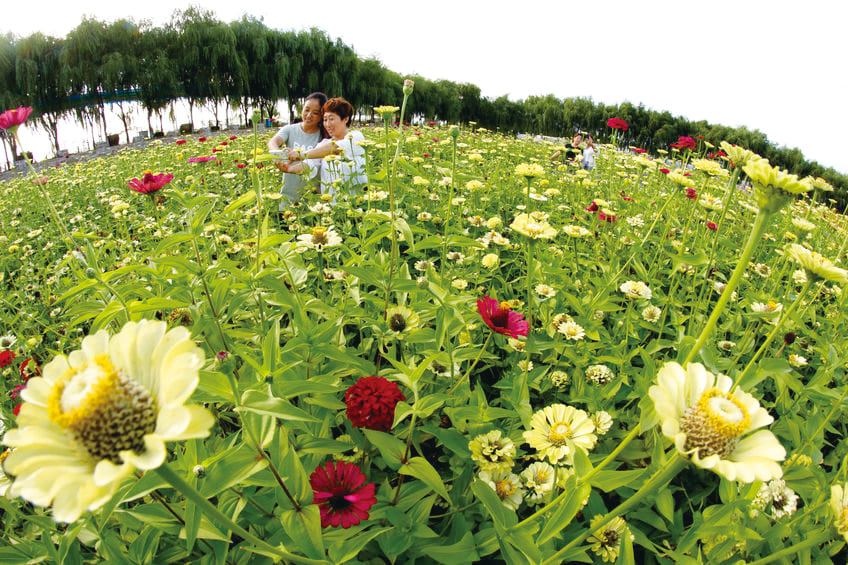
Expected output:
(500, 317)
(714, 426)
(371, 403)
(839, 506)
(11, 119)
(556, 429)
(150, 182)
(341, 493)
(606, 542)
(103, 411)
(492, 451)
(529, 170)
(618, 123)
(506, 485)
(817, 266)
(534, 229)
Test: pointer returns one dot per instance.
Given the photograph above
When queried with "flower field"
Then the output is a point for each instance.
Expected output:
(486, 356)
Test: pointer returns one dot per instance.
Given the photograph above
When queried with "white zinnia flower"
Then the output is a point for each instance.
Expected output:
(713, 426)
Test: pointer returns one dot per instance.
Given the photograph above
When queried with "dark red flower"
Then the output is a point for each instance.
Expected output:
(500, 317)
(721, 154)
(431, 123)
(6, 357)
(712, 226)
(426, 155)
(700, 137)
(223, 143)
(341, 493)
(627, 198)
(691, 193)
(639, 150)
(201, 138)
(180, 142)
(711, 155)
(232, 137)
(617, 123)
(592, 208)
(371, 403)
(241, 165)
(665, 171)
(606, 217)
(150, 182)
(11, 119)
(16, 392)
(214, 150)
(29, 369)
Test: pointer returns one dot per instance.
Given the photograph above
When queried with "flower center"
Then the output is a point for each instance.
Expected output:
(338, 501)
(501, 315)
(319, 236)
(560, 432)
(714, 424)
(397, 323)
(106, 411)
(504, 488)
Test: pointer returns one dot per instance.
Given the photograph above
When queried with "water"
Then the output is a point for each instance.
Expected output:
(75, 138)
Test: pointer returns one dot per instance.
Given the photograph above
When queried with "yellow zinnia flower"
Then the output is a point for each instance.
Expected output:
(557, 429)
(773, 188)
(101, 412)
(535, 229)
(713, 426)
(817, 266)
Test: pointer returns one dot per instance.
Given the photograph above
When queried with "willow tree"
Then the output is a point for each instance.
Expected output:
(43, 81)
(206, 57)
(82, 55)
(263, 72)
(157, 73)
(9, 96)
(119, 65)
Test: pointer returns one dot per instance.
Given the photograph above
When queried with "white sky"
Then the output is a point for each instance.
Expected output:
(775, 66)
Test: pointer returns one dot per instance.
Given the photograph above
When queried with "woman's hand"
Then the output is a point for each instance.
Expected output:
(295, 154)
(282, 165)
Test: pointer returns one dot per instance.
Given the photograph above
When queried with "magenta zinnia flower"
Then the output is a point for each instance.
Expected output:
(617, 123)
(500, 317)
(150, 182)
(11, 119)
(202, 159)
(341, 493)
(371, 403)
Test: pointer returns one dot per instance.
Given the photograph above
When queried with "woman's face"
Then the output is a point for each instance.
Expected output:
(311, 113)
(335, 126)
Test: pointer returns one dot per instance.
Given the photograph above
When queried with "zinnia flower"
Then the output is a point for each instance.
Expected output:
(341, 493)
(556, 429)
(492, 451)
(618, 123)
(103, 411)
(500, 317)
(839, 506)
(684, 142)
(506, 485)
(816, 265)
(529, 170)
(320, 238)
(202, 159)
(401, 320)
(371, 403)
(636, 289)
(6, 358)
(534, 229)
(150, 183)
(11, 119)
(606, 542)
(539, 479)
(714, 426)
(773, 188)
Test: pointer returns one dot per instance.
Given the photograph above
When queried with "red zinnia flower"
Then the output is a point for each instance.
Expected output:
(592, 208)
(6, 357)
(201, 159)
(606, 217)
(617, 123)
(16, 392)
(201, 139)
(180, 142)
(684, 142)
(692, 193)
(29, 369)
(240, 165)
(11, 119)
(712, 226)
(665, 171)
(341, 493)
(232, 137)
(639, 150)
(150, 182)
(371, 403)
(500, 317)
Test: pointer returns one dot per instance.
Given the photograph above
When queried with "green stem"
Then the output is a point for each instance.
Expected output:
(659, 479)
(793, 549)
(760, 224)
(771, 335)
(836, 406)
(471, 368)
(405, 457)
(217, 517)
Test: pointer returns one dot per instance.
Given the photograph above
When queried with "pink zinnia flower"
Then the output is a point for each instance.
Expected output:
(371, 403)
(11, 119)
(691, 193)
(712, 226)
(201, 159)
(500, 317)
(150, 183)
(341, 493)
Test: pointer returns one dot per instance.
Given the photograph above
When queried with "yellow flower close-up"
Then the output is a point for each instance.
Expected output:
(717, 429)
(557, 429)
(101, 412)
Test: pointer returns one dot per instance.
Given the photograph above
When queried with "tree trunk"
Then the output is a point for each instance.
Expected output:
(191, 112)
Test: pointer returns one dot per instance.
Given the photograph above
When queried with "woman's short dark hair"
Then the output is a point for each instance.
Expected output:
(340, 107)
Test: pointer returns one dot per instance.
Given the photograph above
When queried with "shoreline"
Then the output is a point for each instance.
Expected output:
(45, 165)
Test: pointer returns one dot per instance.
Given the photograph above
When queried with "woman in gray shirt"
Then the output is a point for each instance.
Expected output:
(304, 135)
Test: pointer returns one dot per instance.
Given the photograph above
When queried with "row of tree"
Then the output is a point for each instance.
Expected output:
(245, 65)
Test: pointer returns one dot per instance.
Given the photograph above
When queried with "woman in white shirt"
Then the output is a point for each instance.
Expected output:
(339, 160)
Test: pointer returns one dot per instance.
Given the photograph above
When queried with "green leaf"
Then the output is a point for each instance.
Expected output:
(501, 516)
(266, 404)
(420, 468)
(390, 447)
(304, 528)
(462, 552)
(350, 548)
(565, 512)
(240, 202)
(610, 480)
(144, 547)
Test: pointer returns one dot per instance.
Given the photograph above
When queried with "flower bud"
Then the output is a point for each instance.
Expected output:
(199, 471)
(454, 131)
(256, 117)
(408, 85)
(91, 273)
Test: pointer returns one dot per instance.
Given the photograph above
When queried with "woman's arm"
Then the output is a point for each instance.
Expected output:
(326, 147)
